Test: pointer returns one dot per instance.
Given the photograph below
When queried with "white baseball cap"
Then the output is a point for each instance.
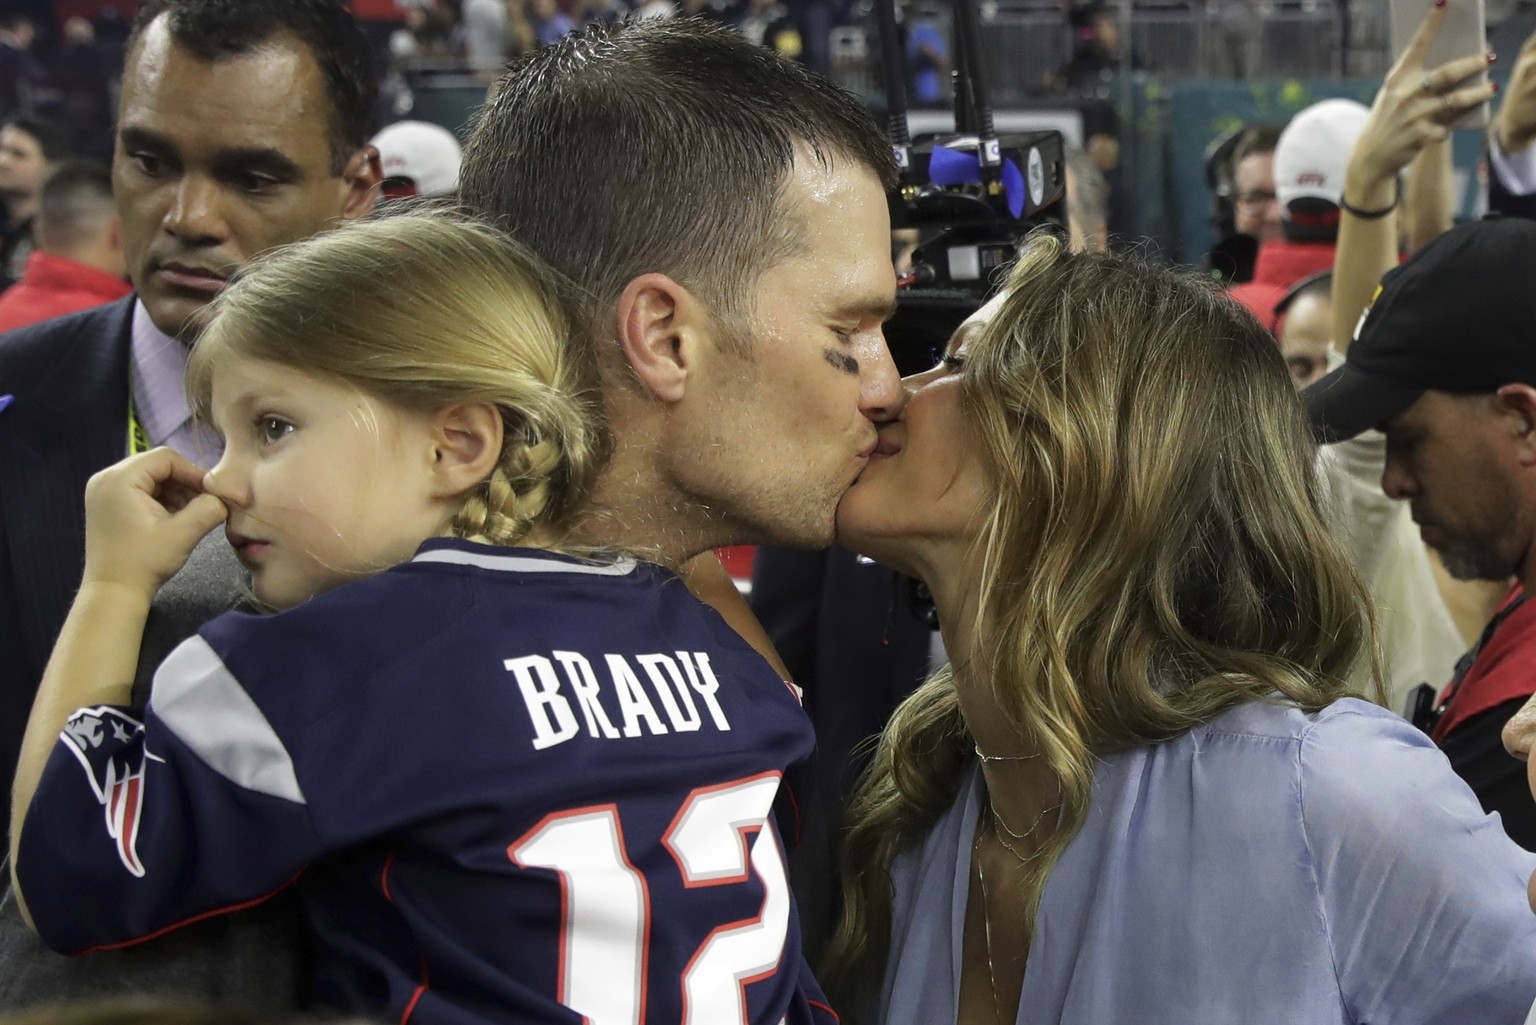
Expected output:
(1314, 150)
(424, 154)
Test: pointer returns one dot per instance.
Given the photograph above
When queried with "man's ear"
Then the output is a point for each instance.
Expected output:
(466, 445)
(1517, 403)
(362, 178)
(660, 323)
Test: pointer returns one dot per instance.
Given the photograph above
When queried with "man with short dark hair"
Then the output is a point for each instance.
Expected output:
(723, 212)
(78, 261)
(1444, 362)
(242, 126)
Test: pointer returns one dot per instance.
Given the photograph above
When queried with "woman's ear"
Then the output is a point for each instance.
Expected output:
(466, 439)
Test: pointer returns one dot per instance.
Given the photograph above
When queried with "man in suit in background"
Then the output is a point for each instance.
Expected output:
(242, 127)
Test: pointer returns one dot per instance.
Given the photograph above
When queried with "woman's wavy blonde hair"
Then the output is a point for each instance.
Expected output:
(1157, 553)
(420, 310)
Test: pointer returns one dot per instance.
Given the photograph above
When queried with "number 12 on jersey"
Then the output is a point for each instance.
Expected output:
(606, 905)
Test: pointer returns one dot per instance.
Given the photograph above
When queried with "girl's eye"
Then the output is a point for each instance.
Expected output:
(272, 429)
(952, 363)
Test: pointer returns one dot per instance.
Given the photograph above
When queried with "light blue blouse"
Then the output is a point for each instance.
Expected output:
(1271, 867)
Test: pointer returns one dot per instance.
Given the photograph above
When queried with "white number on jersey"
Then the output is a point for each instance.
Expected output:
(606, 930)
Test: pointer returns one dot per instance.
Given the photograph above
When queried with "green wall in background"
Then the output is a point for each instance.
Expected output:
(1165, 132)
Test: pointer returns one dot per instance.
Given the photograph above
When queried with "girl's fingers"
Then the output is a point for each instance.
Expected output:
(162, 466)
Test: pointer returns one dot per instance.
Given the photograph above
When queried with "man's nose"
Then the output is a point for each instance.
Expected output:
(882, 395)
(1396, 481)
(196, 213)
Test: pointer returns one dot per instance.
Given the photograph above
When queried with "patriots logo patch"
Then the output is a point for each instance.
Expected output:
(108, 744)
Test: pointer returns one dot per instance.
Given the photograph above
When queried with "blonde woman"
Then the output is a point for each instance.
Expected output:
(1143, 793)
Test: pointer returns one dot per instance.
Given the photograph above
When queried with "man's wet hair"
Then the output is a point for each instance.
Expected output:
(659, 146)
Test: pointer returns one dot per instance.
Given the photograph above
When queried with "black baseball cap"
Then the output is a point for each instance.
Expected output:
(1459, 316)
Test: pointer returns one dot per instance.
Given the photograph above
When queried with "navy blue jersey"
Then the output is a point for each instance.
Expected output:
(512, 786)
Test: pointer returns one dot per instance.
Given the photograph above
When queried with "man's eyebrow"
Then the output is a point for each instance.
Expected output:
(883, 308)
(143, 138)
(261, 159)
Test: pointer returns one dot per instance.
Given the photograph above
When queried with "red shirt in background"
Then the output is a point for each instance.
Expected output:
(1504, 669)
(52, 286)
(1280, 265)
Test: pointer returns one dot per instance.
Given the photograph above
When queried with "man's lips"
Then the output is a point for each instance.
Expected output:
(186, 275)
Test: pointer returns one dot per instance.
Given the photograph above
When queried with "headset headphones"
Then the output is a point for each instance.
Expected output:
(1294, 292)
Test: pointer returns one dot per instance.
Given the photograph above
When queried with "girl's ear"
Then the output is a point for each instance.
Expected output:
(466, 438)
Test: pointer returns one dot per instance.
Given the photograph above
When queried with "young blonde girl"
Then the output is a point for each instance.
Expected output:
(515, 779)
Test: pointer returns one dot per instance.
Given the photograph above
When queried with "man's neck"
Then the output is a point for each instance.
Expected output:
(631, 513)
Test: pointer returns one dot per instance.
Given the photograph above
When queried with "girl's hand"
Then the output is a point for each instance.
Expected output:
(143, 517)
(1413, 108)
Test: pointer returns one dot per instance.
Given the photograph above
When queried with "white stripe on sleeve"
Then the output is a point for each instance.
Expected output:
(199, 699)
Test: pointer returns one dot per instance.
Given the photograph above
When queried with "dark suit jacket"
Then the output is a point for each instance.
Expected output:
(68, 418)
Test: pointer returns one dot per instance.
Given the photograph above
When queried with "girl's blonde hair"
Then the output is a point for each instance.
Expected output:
(1157, 553)
(420, 310)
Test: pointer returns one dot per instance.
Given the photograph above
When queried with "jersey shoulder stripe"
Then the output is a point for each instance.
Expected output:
(525, 561)
(198, 699)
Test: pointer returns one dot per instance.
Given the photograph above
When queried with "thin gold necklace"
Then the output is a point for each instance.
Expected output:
(986, 926)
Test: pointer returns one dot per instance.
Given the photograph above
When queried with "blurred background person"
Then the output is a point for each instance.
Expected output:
(1304, 325)
(27, 147)
(1240, 175)
(78, 261)
(484, 30)
(1308, 174)
(1255, 204)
